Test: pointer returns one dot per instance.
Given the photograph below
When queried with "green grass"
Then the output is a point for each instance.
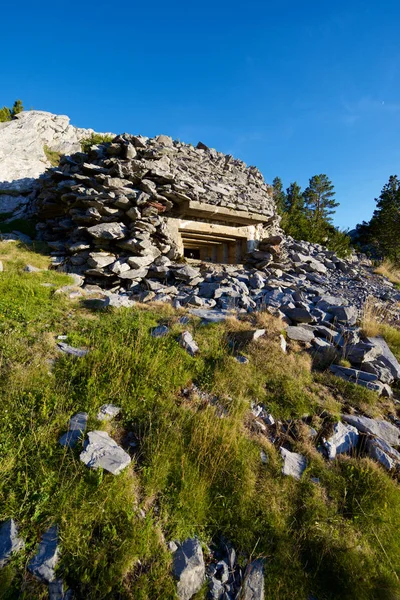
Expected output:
(52, 156)
(94, 139)
(193, 473)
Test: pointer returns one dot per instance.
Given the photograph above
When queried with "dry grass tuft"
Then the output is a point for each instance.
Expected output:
(389, 270)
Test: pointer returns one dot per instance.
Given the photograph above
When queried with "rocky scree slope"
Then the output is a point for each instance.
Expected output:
(22, 155)
(105, 217)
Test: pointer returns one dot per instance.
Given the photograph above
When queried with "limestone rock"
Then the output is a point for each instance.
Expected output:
(187, 342)
(344, 438)
(382, 429)
(67, 349)
(102, 451)
(9, 541)
(299, 334)
(43, 564)
(294, 464)
(189, 568)
(108, 412)
(77, 426)
(253, 584)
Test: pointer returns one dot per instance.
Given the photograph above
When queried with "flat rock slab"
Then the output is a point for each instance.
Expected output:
(118, 301)
(300, 334)
(187, 342)
(43, 564)
(159, 331)
(384, 453)
(382, 429)
(77, 426)
(189, 568)
(294, 464)
(253, 584)
(211, 316)
(79, 352)
(9, 541)
(386, 355)
(102, 451)
(344, 438)
(108, 412)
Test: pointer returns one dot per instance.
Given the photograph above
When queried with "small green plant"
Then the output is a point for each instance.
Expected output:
(52, 156)
(94, 139)
(7, 114)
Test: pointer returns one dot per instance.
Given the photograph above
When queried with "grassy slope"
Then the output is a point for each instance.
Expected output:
(192, 472)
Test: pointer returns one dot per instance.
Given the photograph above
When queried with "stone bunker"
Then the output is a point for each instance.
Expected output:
(128, 207)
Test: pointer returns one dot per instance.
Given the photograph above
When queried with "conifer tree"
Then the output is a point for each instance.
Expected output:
(279, 195)
(294, 221)
(5, 114)
(320, 204)
(17, 108)
(384, 227)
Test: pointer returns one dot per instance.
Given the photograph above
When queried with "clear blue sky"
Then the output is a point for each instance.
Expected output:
(296, 88)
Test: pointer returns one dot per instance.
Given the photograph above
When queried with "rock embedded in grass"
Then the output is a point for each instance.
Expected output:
(32, 269)
(108, 412)
(187, 342)
(381, 451)
(343, 439)
(77, 426)
(79, 352)
(299, 334)
(160, 331)
(253, 583)
(102, 451)
(43, 564)
(9, 541)
(382, 429)
(119, 301)
(189, 568)
(294, 464)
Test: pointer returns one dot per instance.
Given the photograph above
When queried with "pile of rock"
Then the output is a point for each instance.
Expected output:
(107, 212)
(22, 153)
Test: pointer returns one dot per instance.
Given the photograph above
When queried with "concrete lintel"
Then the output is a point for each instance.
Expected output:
(208, 211)
(204, 236)
(212, 229)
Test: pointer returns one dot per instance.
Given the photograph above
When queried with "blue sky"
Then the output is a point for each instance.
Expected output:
(296, 88)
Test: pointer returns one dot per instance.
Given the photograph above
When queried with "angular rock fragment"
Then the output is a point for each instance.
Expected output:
(77, 426)
(381, 451)
(187, 342)
(294, 464)
(344, 438)
(102, 451)
(253, 584)
(189, 568)
(382, 429)
(79, 352)
(56, 591)
(107, 412)
(160, 331)
(43, 564)
(299, 334)
(118, 301)
(108, 231)
(9, 541)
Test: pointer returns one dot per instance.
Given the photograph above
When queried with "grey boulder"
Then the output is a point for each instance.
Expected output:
(77, 426)
(294, 464)
(43, 564)
(253, 584)
(108, 231)
(344, 438)
(107, 412)
(9, 541)
(300, 334)
(189, 568)
(187, 342)
(382, 429)
(79, 352)
(102, 451)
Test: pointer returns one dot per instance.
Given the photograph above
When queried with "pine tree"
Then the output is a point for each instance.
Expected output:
(294, 221)
(17, 108)
(320, 204)
(384, 227)
(5, 114)
(279, 195)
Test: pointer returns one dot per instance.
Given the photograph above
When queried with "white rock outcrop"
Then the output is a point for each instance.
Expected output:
(22, 156)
